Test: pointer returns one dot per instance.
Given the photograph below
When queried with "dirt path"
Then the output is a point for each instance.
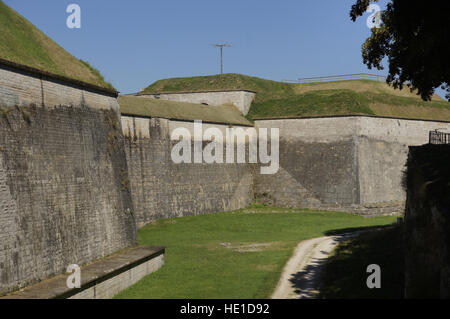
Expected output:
(300, 276)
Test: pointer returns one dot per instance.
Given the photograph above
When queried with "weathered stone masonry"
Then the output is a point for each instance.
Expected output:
(67, 194)
(242, 99)
(76, 177)
(350, 163)
(24, 86)
(63, 178)
(162, 189)
(427, 222)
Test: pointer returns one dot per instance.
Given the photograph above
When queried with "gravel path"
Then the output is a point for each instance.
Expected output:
(300, 276)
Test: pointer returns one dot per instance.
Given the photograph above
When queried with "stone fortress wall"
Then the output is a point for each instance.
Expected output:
(240, 98)
(427, 223)
(163, 189)
(76, 177)
(62, 174)
(23, 86)
(316, 164)
(352, 163)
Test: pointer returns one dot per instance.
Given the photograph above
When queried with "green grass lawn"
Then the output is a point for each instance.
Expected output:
(344, 276)
(347, 101)
(237, 254)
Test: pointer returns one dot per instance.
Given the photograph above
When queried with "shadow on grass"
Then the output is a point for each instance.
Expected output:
(342, 231)
(304, 282)
(344, 274)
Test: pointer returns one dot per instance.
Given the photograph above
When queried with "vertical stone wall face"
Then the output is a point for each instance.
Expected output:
(21, 88)
(241, 99)
(351, 163)
(64, 196)
(427, 223)
(317, 164)
(382, 156)
(76, 178)
(162, 189)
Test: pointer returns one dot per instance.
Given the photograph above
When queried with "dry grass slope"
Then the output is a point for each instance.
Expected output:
(142, 106)
(277, 99)
(21, 42)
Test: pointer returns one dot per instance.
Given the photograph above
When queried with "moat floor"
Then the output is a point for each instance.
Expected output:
(238, 254)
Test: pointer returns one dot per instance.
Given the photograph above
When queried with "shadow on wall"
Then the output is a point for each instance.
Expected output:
(427, 221)
(312, 175)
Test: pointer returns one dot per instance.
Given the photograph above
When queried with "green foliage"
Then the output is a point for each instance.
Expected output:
(414, 37)
(203, 258)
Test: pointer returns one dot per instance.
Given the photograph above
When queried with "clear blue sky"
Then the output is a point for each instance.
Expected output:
(134, 43)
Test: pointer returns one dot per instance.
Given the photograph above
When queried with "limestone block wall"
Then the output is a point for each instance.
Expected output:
(64, 196)
(317, 164)
(162, 189)
(354, 163)
(383, 152)
(23, 88)
(241, 99)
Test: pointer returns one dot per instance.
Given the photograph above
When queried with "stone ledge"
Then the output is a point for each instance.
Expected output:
(307, 117)
(107, 273)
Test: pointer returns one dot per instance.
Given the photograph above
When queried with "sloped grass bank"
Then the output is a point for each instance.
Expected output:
(347, 101)
(279, 99)
(345, 276)
(21, 42)
(237, 254)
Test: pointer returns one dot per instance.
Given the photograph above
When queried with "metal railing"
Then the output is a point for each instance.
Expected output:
(344, 77)
(437, 137)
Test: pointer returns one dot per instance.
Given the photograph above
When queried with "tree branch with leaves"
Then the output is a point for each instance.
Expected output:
(415, 38)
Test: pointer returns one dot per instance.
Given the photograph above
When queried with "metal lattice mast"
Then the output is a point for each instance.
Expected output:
(221, 46)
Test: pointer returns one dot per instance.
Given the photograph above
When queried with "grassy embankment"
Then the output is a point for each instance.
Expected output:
(237, 254)
(21, 42)
(227, 114)
(277, 99)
